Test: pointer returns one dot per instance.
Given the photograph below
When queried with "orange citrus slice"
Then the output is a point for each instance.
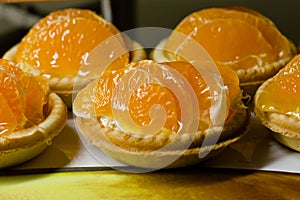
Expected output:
(13, 92)
(143, 99)
(152, 94)
(104, 91)
(239, 38)
(8, 120)
(202, 89)
(282, 95)
(60, 43)
(24, 97)
(35, 91)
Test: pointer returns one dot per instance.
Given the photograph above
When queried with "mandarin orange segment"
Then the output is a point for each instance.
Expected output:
(70, 13)
(282, 95)
(60, 15)
(35, 92)
(146, 98)
(151, 94)
(25, 96)
(104, 91)
(61, 42)
(199, 86)
(8, 121)
(233, 37)
(140, 101)
(230, 51)
(231, 80)
(13, 92)
(202, 90)
(36, 98)
(106, 85)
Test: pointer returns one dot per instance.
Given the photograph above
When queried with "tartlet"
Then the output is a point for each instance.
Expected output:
(23, 145)
(60, 44)
(24, 132)
(167, 147)
(238, 37)
(277, 104)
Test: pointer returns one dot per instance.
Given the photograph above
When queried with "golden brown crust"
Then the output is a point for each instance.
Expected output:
(167, 159)
(163, 146)
(24, 144)
(286, 128)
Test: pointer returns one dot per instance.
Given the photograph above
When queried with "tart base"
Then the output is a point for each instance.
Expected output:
(25, 144)
(164, 158)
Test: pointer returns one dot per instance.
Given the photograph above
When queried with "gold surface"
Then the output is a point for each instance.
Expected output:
(189, 183)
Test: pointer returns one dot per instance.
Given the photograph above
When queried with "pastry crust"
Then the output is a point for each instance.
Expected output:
(153, 151)
(286, 129)
(250, 79)
(25, 144)
(65, 87)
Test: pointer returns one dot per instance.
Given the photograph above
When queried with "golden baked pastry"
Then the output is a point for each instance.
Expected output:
(30, 115)
(277, 104)
(238, 37)
(145, 114)
(59, 45)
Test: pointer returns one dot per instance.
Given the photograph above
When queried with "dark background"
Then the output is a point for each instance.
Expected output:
(128, 14)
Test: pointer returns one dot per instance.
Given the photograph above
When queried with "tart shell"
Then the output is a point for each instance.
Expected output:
(25, 144)
(128, 148)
